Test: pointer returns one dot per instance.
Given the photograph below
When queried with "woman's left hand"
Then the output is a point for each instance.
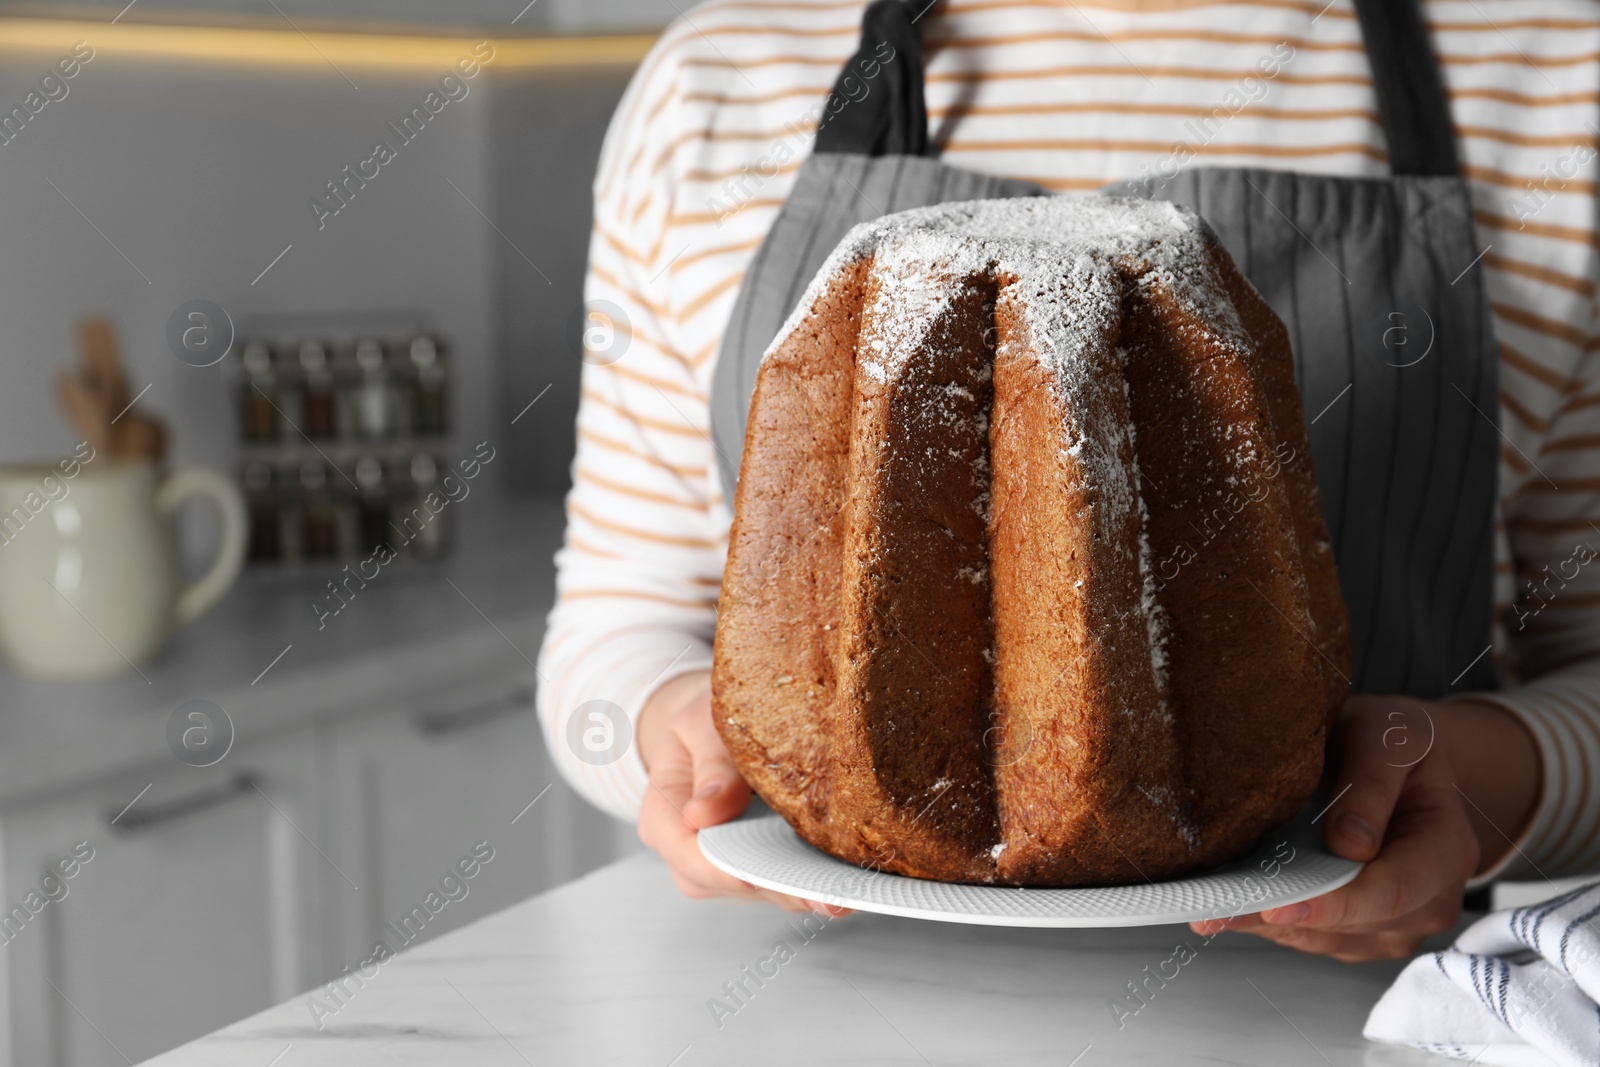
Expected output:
(1416, 817)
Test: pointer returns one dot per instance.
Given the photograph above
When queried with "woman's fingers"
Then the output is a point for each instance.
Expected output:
(1440, 913)
(1380, 754)
(1396, 808)
(719, 792)
(671, 771)
(1348, 948)
(690, 867)
(678, 843)
(1232, 922)
(1430, 852)
(1416, 866)
(663, 826)
(1379, 941)
(1375, 748)
(688, 755)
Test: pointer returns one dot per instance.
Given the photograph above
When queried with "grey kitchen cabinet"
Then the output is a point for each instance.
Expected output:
(223, 890)
(461, 767)
(197, 906)
(368, 761)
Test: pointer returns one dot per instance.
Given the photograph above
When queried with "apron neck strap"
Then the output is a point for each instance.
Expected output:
(1411, 99)
(876, 107)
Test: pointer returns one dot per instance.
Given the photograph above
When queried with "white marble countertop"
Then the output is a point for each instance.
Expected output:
(618, 968)
(480, 608)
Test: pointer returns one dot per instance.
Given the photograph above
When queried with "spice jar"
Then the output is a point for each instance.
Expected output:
(422, 527)
(262, 504)
(317, 390)
(373, 503)
(374, 408)
(260, 400)
(319, 539)
(428, 397)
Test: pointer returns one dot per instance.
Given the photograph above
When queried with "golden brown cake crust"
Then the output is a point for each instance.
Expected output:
(1027, 581)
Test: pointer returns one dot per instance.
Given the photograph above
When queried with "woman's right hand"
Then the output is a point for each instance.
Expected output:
(694, 784)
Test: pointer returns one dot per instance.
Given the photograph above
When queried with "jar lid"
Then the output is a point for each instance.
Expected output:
(257, 359)
(424, 352)
(369, 354)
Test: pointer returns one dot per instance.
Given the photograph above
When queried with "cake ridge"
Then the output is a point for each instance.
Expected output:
(1156, 622)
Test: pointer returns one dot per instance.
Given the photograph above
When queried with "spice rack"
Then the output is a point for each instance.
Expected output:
(340, 439)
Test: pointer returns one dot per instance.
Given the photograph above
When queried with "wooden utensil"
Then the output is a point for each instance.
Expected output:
(103, 367)
(97, 402)
(139, 435)
(83, 407)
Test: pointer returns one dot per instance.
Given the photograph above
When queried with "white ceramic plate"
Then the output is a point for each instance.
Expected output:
(1289, 865)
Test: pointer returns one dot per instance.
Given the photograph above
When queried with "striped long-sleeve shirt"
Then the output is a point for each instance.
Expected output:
(704, 147)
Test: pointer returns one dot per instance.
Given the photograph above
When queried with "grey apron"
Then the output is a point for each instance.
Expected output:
(1376, 278)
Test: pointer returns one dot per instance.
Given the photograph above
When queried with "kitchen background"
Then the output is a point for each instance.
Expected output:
(366, 752)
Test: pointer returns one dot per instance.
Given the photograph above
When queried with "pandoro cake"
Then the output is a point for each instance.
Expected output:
(1028, 582)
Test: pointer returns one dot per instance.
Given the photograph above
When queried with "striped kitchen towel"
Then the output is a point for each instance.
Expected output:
(1518, 989)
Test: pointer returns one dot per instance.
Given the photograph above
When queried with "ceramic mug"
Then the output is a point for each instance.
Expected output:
(90, 584)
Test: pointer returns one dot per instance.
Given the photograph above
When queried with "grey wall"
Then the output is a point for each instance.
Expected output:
(200, 176)
(547, 136)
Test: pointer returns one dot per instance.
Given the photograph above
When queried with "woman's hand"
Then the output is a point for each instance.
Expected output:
(1435, 793)
(694, 784)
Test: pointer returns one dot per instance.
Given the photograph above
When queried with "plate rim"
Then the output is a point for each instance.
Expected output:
(1102, 921)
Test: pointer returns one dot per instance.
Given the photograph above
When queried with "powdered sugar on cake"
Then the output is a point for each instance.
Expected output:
(1061, 262)
(1042, 242)
(1063, 259)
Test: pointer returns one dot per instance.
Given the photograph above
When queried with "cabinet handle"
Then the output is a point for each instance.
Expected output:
(154, 815)
(440, 723)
